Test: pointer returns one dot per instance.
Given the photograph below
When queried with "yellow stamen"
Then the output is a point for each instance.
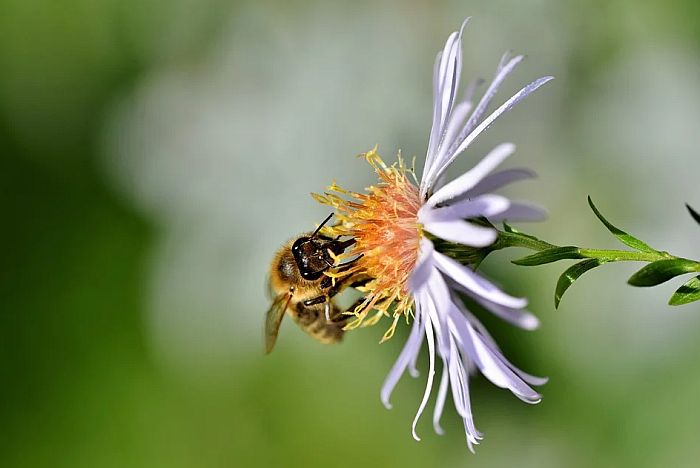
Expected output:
(384, 224)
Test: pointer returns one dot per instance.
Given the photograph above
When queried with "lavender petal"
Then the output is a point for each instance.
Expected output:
(499, 179)
(520, 212)
(431, 373)
(519, 317)
(490, 363)
(505, 107)
(484, 205)
(462, 232)
(475, 283)
(441, 397)
(409, 352)
(472, 177)
(424, 265)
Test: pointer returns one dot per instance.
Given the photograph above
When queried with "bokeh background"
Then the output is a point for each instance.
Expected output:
(156, 153)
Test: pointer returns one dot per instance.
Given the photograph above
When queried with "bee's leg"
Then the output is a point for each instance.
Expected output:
(341, 317)
(360, 283)
(321, 300)
(347, 265)
(342, 284)
(326, 282)
(342, 245)
(316, 300)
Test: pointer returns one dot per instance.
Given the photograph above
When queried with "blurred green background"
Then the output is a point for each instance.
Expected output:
(155, 154)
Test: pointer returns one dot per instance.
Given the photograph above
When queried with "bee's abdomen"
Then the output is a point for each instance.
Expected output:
(312, 320)
(327, 333)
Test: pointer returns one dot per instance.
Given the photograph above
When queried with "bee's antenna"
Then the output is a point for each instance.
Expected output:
(320, 226)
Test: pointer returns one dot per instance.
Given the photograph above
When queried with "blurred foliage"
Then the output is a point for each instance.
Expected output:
(82, 385)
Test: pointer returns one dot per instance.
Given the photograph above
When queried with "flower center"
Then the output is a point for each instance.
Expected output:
(384, 224)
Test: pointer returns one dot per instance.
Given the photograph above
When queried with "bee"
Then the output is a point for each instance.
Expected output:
(301, 289)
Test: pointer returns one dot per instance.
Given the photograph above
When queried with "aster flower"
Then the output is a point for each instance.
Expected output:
(398, 226)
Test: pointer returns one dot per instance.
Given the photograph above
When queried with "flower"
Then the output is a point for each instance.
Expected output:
(399, 224)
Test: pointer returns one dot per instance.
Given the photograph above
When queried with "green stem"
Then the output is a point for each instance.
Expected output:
(512, 238)
(517, 239)
(625, 255)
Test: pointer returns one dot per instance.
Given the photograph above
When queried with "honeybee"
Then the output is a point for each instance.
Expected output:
(300, 288)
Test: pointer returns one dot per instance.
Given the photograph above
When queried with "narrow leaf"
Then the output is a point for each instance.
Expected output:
(694, 214)
(662, 271)
(689, 292)
(622, 236)
(572, 274)
(508, 228)
(549, 256)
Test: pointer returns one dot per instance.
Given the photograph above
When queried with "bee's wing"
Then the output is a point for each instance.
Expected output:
(273, 319)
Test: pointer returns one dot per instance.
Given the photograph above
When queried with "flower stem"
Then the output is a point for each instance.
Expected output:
(625, 255)
(512, 238)
(518, 239)
(662, 266)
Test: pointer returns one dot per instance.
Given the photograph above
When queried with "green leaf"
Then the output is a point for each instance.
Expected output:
(550, 255)
(572, 274)
(689, 292)
(694, 214)
(662, 271)
(510, 229)
(622, 236)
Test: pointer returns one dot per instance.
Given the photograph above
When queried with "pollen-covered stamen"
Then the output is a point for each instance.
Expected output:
(384, 224)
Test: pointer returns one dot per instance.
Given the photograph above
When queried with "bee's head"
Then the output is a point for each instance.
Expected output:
(312, 257)
(314, 253)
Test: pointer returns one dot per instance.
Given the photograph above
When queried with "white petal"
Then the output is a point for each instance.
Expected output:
(493, 346)
(505, 107)
(484, 205)
(499, 371)
(491, 364)
(438, 306)
(505, 58)
(472, 177)
(519, 317)
(459, 381)
(460, 395)
(450, 78)
(435, 131)
(504, 69)
(499, 179)
(446, 77)
(475, 283)
(431, 373)
(521, 212)
(452, 126)
(441, 396)
(462, 232)
(424, 265)
(408, 353)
